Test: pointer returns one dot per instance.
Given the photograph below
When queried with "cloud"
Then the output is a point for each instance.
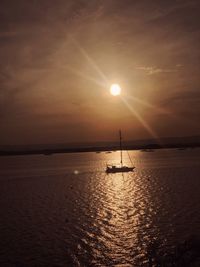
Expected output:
(156, 70)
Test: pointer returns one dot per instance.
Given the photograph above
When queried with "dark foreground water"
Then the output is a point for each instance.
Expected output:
(63, 210)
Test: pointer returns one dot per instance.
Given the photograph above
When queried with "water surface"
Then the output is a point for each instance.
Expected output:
(63, 210)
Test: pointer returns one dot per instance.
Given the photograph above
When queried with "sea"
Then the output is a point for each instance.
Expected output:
(64, 210)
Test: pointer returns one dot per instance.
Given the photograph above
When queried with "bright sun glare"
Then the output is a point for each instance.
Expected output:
(115, 89)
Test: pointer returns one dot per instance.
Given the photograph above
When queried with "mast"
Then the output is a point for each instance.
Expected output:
(120, 143)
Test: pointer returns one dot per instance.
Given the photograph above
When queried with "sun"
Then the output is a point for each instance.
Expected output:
(115, 89)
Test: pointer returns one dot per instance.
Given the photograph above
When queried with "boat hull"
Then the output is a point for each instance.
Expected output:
(119, 169)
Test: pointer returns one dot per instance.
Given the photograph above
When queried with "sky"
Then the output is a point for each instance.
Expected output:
(59, 58)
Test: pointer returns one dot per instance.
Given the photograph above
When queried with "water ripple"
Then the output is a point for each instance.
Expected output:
(53, 216)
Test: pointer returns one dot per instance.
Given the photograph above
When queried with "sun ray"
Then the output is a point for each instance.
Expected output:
(141, 120)
(149, 105)
(90, 60)
(84, 76)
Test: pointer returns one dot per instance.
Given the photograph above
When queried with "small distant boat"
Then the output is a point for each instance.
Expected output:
(47, 153)
(147, 150)
(121, 167)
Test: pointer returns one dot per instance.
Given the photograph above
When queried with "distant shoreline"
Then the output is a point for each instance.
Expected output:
(47, 152)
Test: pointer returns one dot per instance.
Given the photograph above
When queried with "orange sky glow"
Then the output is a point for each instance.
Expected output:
(57, 67)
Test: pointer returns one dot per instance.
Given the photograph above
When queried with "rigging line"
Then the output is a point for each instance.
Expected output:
(130, 158)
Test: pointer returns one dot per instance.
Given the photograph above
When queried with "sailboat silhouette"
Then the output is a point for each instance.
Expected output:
(121, 168)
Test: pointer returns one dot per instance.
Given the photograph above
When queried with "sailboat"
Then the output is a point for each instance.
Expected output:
(121, 167)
